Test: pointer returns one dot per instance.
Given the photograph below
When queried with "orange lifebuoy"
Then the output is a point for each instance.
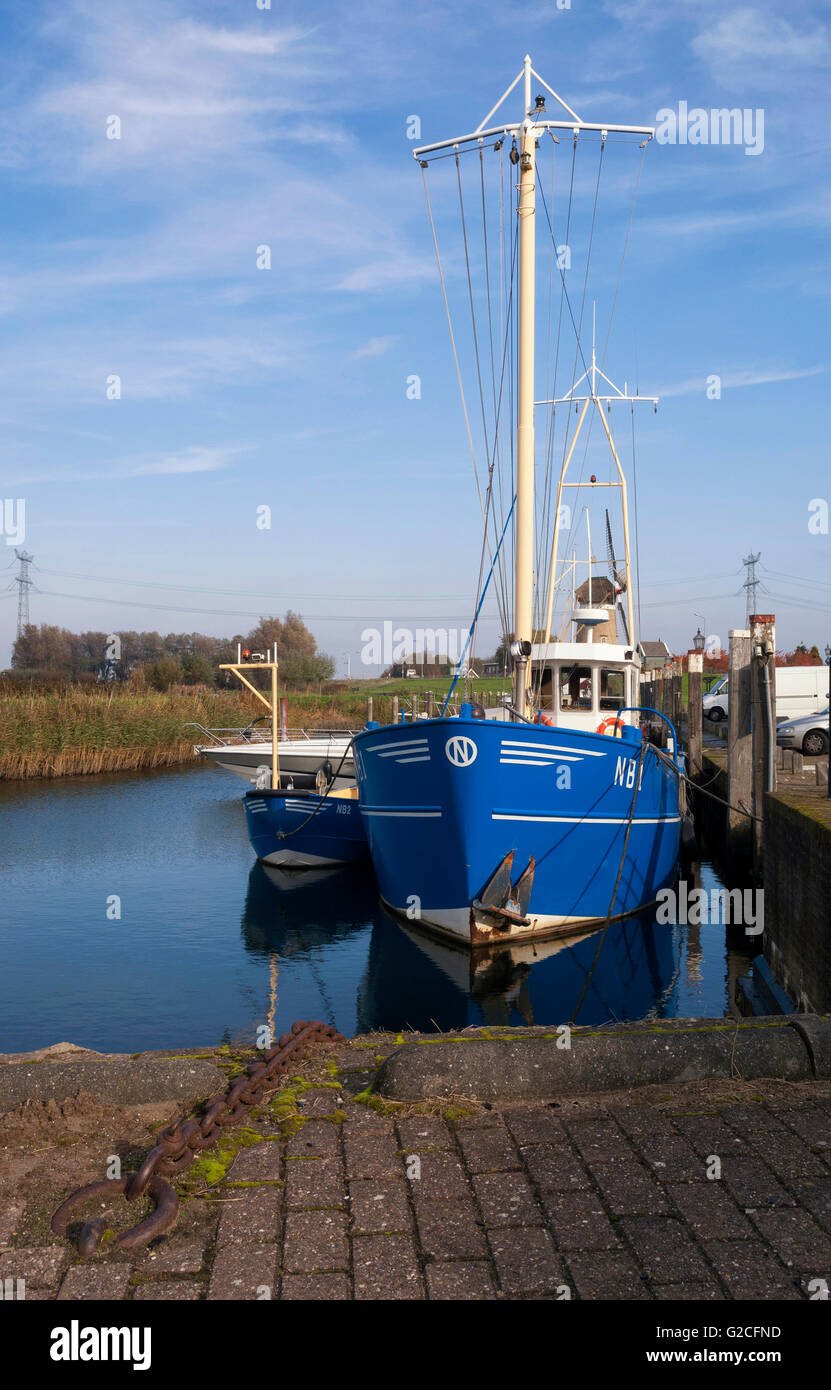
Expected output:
(612, 723)
(545, 719)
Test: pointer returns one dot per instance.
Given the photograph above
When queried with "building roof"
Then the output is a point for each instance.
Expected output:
(654, 648)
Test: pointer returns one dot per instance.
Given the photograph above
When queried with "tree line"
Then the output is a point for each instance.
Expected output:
(187, 658)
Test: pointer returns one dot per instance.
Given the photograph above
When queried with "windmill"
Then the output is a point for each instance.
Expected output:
(618, 579)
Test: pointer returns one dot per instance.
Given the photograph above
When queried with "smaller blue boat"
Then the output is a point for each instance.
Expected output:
(304, 830)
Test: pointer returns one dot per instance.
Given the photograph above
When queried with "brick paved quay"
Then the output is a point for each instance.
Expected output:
(323, 1196)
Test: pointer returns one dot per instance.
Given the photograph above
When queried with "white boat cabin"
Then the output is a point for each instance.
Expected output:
(582, 685)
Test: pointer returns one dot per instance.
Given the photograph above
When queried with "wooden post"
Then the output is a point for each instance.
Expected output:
(368, 709)
(763, 736)
(395, 709)
(415, 706)
(430, 710)
(695, 710)
(739, 753)
(666, 701)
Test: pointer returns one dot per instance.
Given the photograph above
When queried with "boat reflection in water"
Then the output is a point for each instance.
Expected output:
(343, 956)
(294, 911)
(421, 981)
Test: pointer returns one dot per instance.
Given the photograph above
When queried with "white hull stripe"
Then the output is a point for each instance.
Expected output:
(524, 760)
(509, 744)
(589, 820)
(389, 750)
(420, 815)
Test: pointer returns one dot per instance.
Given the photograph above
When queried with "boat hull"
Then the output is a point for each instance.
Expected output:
(297, 757)
(304, 832)
(445, 802)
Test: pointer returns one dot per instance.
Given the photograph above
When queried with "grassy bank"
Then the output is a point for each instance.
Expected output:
(76, 731)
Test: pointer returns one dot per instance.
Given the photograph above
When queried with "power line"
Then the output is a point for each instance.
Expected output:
(799, 579)
(687, 599)
(809, 604)
(24, 584)
(242, 613)
(231, 593)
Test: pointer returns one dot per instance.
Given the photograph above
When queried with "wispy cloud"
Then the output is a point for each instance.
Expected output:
(747, 42)
(193, 458)
(750, 376)
(376, 347)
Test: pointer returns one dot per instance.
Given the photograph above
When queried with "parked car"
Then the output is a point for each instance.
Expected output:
(806, 735)
(715, 701)
(800, 690)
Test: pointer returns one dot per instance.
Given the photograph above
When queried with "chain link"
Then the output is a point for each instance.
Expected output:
(180, 1142)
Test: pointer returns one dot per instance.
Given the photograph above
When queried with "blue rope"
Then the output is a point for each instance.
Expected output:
(478, 611)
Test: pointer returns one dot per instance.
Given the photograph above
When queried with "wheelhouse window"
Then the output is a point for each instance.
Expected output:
(575, 688)
(547, 688)
(612, 688)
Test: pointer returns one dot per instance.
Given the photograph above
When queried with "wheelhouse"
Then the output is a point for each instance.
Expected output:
(584, 684)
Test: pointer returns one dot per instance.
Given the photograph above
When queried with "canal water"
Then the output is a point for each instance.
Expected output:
(133, 916)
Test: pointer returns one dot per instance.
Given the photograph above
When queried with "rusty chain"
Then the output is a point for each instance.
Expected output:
(180, 1142)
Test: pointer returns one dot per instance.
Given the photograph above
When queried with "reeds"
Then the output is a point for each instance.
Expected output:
(77, 731)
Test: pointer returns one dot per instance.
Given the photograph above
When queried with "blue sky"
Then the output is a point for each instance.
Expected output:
(240, 387)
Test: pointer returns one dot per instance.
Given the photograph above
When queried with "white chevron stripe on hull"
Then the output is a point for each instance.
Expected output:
(294, 859)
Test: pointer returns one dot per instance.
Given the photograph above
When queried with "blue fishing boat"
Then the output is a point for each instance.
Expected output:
(553, 813)
(305, 830)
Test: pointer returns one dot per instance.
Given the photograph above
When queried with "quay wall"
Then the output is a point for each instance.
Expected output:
(797, 883)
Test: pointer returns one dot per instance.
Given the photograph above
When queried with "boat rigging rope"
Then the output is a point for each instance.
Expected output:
(476, 614)
(637, 529)
(543, 566)
(604, 353)
(742, 810)
(623, 253)
(453, 346)
(287, 834)
(485, 502)
(472, 309)
(502, 604)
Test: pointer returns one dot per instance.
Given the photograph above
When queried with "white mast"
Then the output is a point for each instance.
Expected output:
(527, 131)
(524, 555)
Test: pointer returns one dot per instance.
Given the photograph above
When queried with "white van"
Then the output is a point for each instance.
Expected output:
(799, 690)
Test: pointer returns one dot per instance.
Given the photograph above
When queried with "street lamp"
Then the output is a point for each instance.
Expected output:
(698, 641)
